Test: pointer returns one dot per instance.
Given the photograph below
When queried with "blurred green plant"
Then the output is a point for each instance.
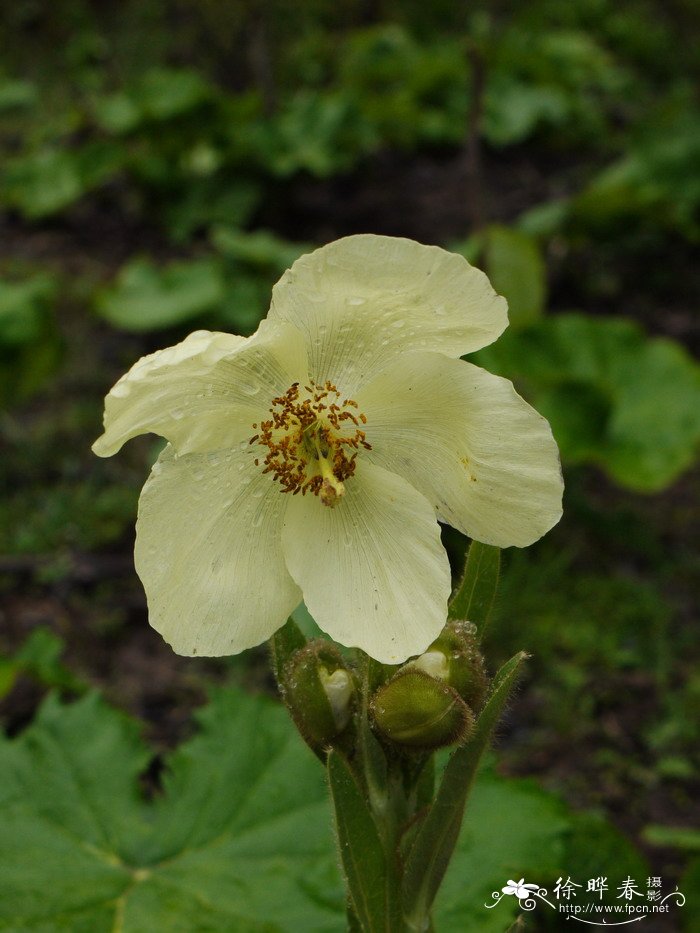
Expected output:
(30, 348)
(550, 79)
(230, 289)
(39, 658)
(45, 182)
(145, 297)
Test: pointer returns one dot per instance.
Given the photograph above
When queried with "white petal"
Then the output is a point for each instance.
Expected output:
(197, 392)
(209, 553)
(464, 437)
(373, 571)
(362, 300)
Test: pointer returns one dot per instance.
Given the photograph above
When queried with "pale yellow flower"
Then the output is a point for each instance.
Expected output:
(315, 458)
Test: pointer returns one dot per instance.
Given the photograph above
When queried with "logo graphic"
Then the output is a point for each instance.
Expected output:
(635, 903)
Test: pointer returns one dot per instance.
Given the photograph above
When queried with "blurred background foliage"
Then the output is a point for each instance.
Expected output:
(163, 161)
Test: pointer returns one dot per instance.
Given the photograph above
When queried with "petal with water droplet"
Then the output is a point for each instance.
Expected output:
(470, 443)
(378, 288)
(386, 592)
(213, 587)
(206, 392)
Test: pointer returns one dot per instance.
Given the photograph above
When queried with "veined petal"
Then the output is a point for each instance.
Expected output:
(209, 553)
(364, 299)
(199, 392)
(373, 571)
(464, 437)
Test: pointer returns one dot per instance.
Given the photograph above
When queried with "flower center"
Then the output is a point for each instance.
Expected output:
(312, 440)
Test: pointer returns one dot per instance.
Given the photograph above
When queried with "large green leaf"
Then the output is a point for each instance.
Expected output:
(612, 395)
(147, 298)
(239, 839)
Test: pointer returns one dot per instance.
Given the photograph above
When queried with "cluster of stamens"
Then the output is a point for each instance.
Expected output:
(312, 440)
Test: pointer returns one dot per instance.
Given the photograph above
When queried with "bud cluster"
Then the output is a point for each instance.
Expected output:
(427, 703)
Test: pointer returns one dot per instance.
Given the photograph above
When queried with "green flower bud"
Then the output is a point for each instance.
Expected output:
(318, 691)
(466, 673)
(416, 710)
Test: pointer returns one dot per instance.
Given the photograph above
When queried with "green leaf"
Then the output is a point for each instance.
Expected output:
(238, 840)
(516, 268)
(513, 110)
(260, 249)
(17, 95)
(211, 200)
(473, 599)
(512, 828)
(118, 113)
(435, 842)
(361, 850)
(43, 183)
(613, 396)
(674, 837)
(29, 345)
(145, 297)
(169, 92)
(46, 182)
(690, 886)
(40, 656)
(591, 842)
(23, 307)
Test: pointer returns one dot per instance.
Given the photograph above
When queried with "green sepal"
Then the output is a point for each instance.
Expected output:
(375, 767)
(473, 599)
(361, 852)
(306, 697)
(434, 844)
(466, 672)
(283, 644)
